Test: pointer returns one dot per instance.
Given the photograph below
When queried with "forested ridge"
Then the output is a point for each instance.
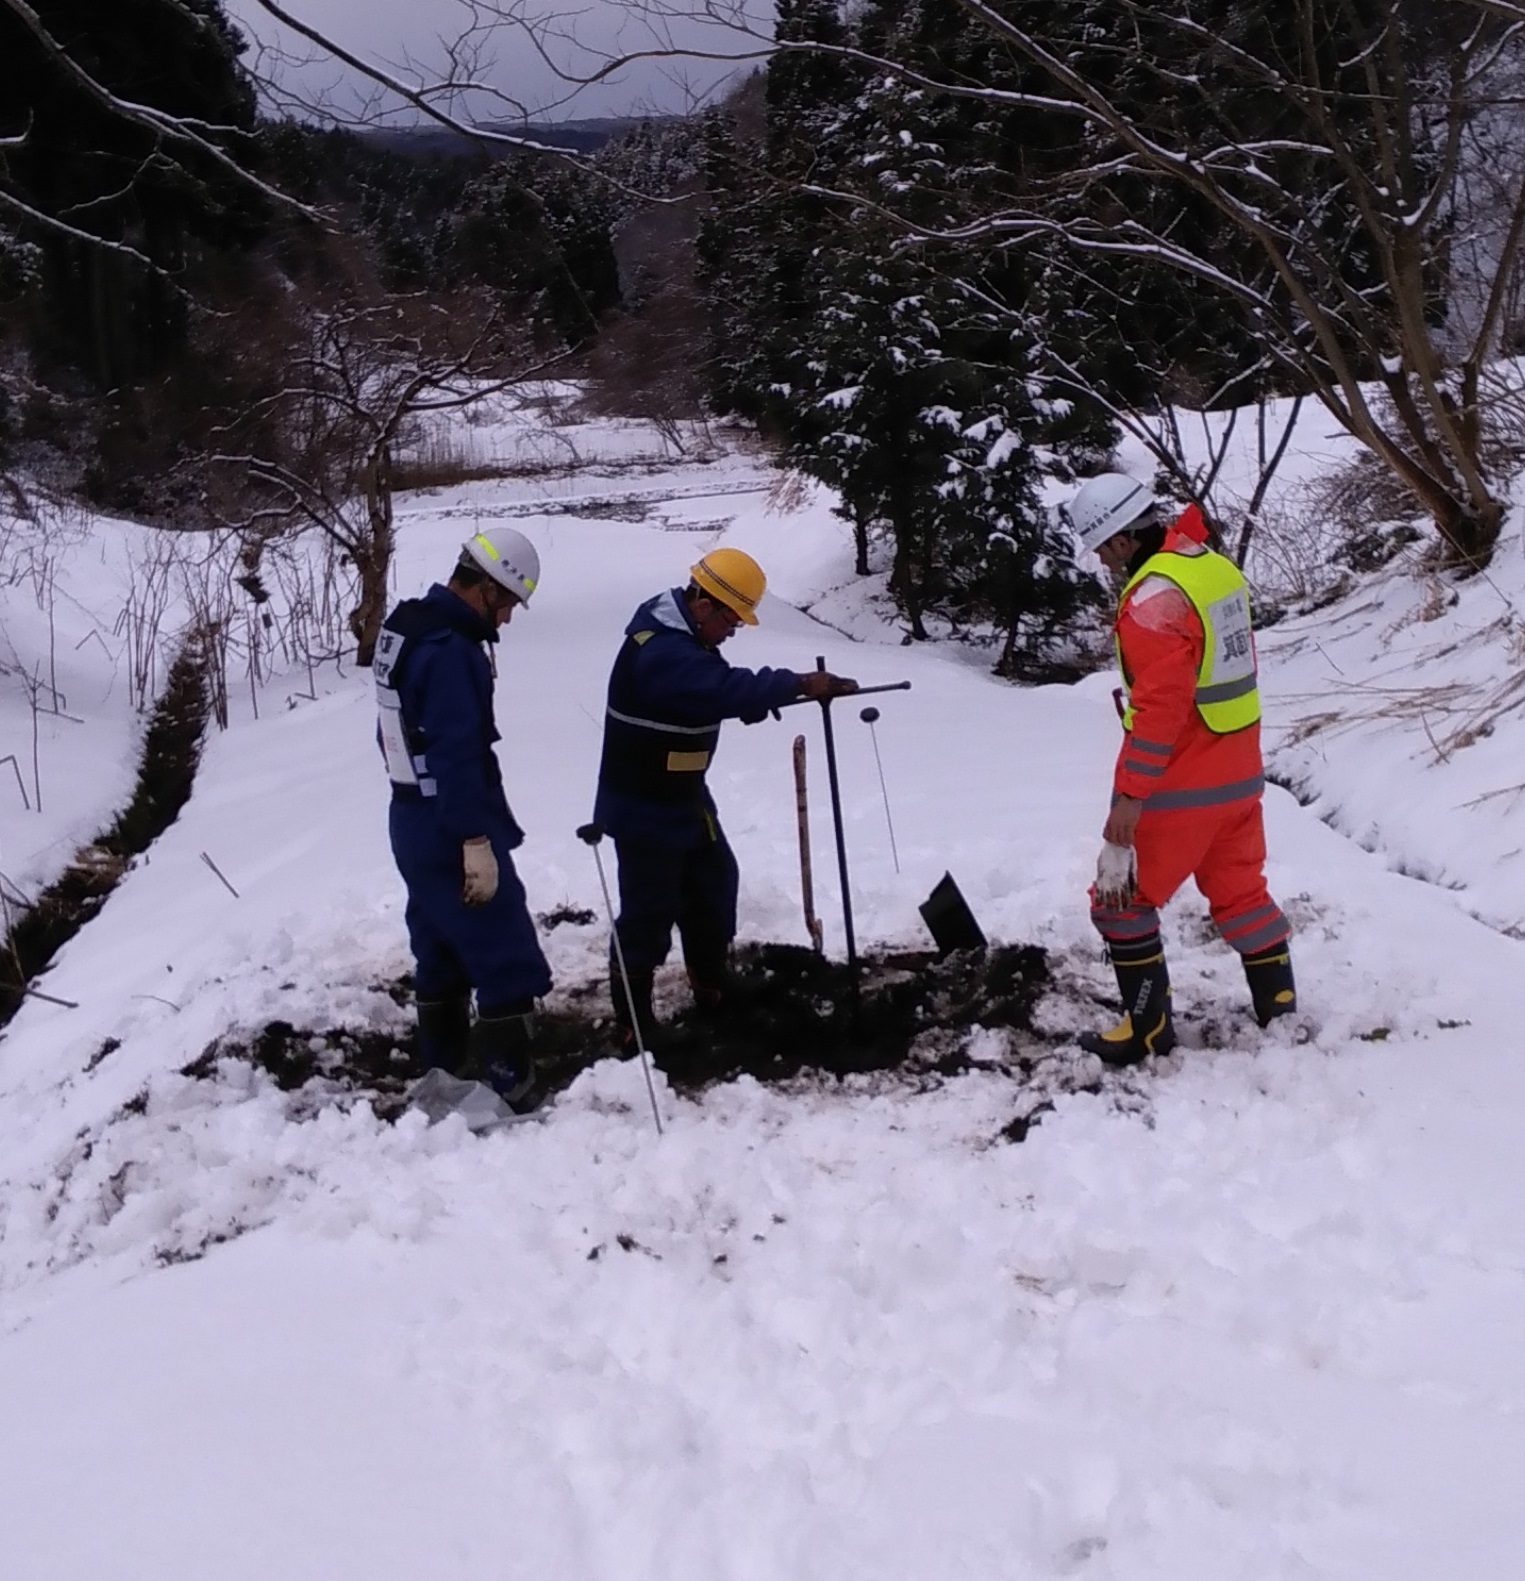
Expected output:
(932, 253)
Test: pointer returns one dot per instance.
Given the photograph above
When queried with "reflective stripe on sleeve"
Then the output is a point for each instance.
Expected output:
(1155, 749)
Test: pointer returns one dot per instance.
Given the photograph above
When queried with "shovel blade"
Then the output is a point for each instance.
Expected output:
(949, 919)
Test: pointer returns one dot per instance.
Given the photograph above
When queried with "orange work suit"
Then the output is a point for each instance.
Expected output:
(1201, 790)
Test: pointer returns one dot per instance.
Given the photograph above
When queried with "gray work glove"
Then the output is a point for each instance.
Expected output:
(1116, 875)
(481, 871)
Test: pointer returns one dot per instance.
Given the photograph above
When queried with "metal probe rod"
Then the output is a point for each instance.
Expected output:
(591, 834)
(836, 819)
(863, 691)
(869, 716)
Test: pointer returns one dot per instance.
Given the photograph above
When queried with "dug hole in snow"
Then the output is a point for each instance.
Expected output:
(1251, 1313)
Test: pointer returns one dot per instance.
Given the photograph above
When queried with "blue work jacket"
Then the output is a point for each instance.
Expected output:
(432, 668)
(668, 694)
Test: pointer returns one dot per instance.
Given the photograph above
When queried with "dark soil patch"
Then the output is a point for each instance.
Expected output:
(379, 1063)
(171, 753)
(797, 1011)
(794, 1013)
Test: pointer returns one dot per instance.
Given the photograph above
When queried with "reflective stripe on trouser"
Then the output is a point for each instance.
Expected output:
(1224, 849)
(1259, 928)
(1204, 796)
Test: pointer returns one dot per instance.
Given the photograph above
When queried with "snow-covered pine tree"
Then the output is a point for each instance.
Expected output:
(756, 241)
(913, 387)
(655, 159)
(540, 237)
(1342, 182)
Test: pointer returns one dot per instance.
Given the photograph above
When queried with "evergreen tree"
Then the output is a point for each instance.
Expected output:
(541, 238)
(537, 233)
(658, 159)
(756, 244)
(727, 247)
(112, 179)
(915, 391)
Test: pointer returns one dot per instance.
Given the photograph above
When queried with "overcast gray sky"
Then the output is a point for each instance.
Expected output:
(391, 30)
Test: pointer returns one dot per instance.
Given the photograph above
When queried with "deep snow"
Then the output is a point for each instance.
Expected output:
(1253, 1314)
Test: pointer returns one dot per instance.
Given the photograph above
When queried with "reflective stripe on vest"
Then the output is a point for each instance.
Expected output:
(1227, 697)
(646, 758)
(403, 764)
(401, 746)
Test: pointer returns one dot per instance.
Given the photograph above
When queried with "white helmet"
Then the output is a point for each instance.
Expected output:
(508, 557)
(1106, 505)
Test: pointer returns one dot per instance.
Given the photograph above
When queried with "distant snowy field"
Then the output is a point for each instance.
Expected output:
(1253, 1316)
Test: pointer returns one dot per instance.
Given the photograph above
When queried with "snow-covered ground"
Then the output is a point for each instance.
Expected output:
(1250, 1316)
(85, 608)
(1397, 714)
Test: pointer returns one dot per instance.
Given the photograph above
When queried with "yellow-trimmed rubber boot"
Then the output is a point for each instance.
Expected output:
(1273, 992)
(1147, 1027)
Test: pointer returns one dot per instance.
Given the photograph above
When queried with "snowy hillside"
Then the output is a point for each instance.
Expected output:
(1251, 1315)
(1396, 715)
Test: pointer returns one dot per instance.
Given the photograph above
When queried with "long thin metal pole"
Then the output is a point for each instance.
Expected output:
(863, 691)
(836, 819)
(869, 716)
(588, 834)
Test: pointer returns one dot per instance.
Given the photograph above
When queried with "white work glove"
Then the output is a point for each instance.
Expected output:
(481, 871)
(1116, 874)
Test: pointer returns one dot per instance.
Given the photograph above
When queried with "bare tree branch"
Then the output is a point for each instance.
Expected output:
(185, 131)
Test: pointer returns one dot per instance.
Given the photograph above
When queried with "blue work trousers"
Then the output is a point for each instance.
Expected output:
(493, 948)
(691, 888)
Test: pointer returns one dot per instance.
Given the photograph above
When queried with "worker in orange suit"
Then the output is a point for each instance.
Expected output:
(1187, 789)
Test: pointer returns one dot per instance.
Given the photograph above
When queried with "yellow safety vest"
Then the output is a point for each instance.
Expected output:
(1227, 696)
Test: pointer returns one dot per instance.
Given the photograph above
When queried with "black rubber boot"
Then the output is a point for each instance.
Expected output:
(640, 991)
(501, 1055)
(1272, 990)
(720, 995)
(1147, 1026)
(444, 1027)
(709, 979)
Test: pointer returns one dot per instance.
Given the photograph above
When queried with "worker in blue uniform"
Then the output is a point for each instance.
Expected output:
(451, 828)
(669, 691)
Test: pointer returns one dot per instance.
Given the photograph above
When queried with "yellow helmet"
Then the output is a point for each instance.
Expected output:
(734, 578)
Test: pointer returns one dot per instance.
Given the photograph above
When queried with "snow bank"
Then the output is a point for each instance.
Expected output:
(1395, 713)
(88, 618)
